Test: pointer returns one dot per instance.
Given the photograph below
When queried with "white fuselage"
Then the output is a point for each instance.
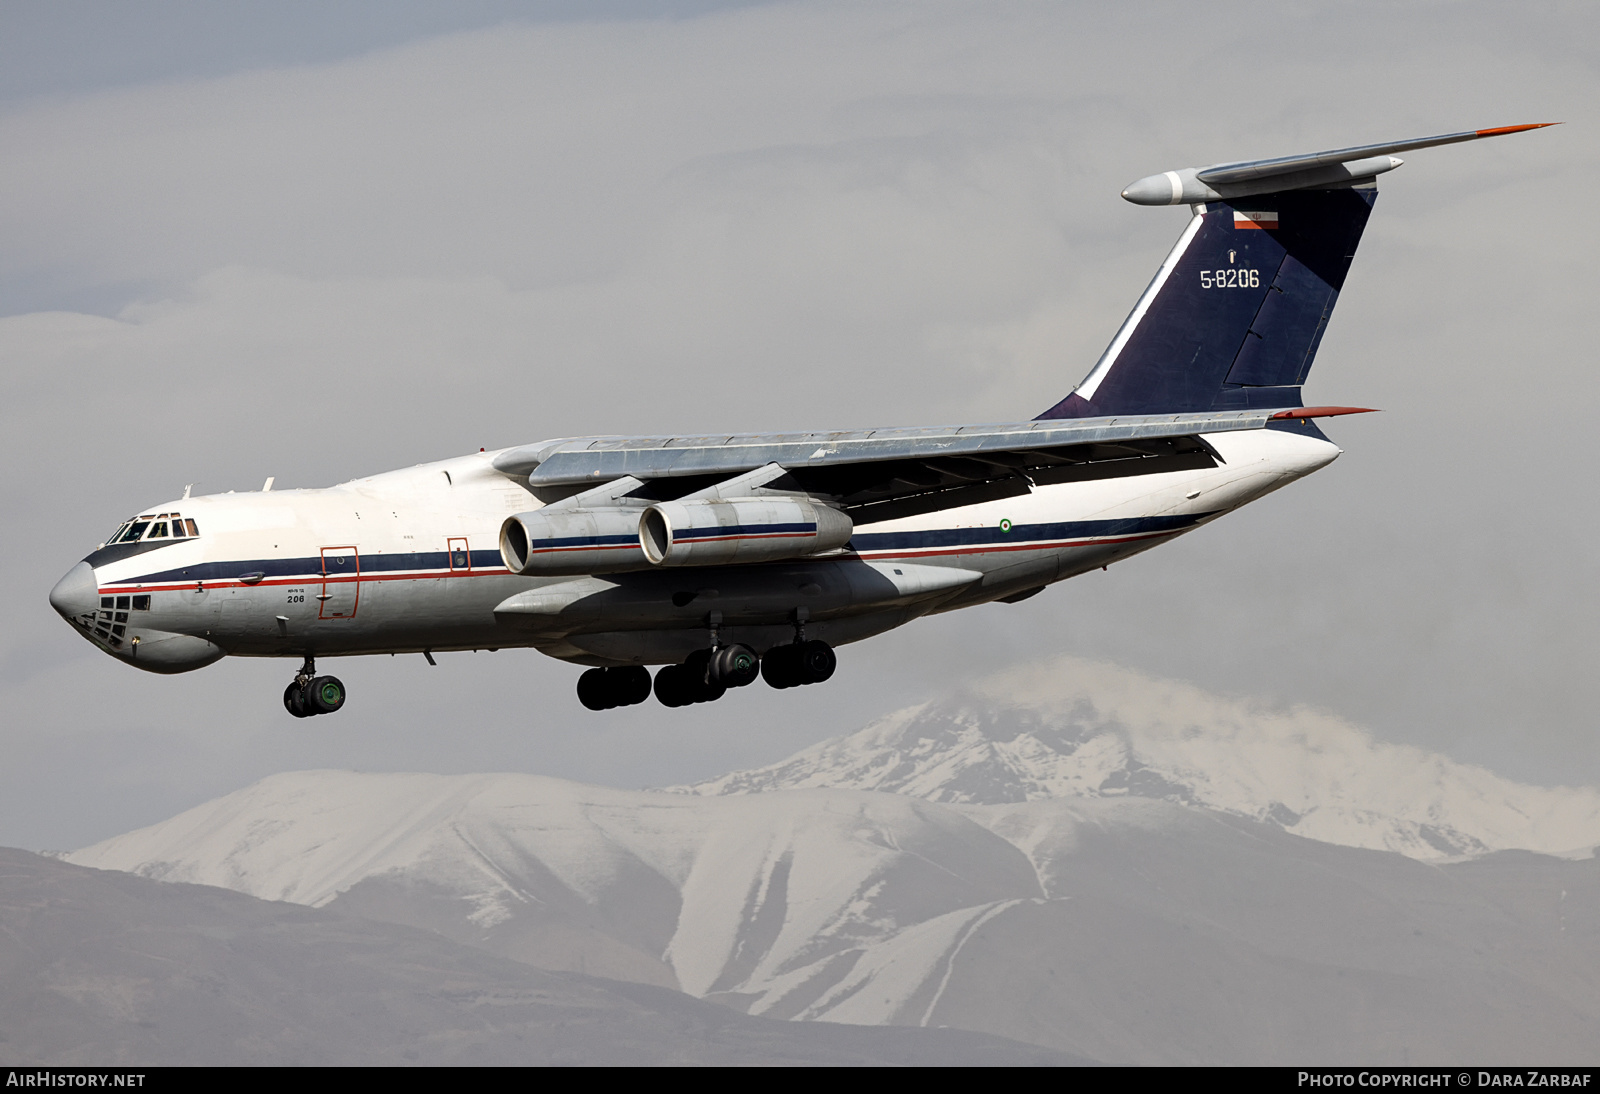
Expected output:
(408, 561)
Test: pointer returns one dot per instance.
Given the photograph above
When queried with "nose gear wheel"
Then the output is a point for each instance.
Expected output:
(309, 694)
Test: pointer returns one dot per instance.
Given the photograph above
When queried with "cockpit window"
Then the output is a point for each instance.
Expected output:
(155, 526)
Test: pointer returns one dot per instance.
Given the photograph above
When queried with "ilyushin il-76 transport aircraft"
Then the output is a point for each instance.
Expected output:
(727, 557)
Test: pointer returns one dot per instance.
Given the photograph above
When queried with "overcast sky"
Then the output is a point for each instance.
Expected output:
(322, 240)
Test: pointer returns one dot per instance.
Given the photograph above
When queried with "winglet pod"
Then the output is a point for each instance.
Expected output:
(1224, 181)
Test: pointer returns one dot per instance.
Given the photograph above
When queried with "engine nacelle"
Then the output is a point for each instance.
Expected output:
(573, 541)
(718, 533)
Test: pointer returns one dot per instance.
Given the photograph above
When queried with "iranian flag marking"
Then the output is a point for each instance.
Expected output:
(1261, 219)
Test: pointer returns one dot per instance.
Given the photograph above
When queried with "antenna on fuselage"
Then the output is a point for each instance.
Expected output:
(188, 486)
(267, 486)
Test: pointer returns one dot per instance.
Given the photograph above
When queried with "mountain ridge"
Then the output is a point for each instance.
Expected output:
(1072, 855)
(1054, 922)
(1069, 727)
(100, 969)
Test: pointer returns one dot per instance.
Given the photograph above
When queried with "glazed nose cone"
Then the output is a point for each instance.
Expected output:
(76, 593)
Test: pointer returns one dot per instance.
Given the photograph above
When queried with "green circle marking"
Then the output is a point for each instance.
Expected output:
(1005, 525)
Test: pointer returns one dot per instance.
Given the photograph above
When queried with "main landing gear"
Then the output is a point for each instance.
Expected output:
(708, 674)
(602, 689)
(310, 694)
(799, 663)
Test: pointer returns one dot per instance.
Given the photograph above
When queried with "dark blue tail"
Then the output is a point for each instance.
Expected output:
(1235, 314)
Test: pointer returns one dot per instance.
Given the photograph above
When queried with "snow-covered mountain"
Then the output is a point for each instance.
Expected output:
(1076, 856)
(1070, 728)
(757, 894)
(1123, 930)
(100, 968)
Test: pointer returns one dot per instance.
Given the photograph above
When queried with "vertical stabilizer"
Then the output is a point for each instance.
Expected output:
(1234, 316)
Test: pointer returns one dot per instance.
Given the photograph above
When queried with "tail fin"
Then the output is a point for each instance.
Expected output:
(1234, 316)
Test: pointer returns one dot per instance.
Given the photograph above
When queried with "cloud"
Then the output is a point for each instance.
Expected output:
(823, 215)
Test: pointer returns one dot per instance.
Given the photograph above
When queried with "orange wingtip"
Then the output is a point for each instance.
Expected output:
(1514, 129)
(1322, 412)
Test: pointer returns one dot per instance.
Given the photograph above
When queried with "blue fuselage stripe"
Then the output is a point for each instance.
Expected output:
(310, 569)
(991, 534)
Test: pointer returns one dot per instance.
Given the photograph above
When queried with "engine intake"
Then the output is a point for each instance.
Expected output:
(718, 533)
(572, 541)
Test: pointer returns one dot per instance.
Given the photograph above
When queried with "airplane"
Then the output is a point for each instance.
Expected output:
(723, 558)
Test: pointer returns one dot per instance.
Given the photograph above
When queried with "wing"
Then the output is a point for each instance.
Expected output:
(883, 474)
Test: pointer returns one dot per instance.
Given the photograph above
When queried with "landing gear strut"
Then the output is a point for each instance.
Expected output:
(708, 674)
(310, 694)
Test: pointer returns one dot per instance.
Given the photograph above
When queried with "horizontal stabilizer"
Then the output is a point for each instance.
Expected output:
(1222, 181)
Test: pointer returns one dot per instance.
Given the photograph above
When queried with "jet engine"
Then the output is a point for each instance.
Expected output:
(696, 532)
(555, 541)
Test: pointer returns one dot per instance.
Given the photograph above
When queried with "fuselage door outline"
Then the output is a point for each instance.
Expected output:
(341, 583)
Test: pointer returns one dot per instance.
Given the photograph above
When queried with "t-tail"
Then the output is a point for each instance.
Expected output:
(1234, 316)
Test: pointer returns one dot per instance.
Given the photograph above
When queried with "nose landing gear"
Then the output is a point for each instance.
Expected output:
(310, 694)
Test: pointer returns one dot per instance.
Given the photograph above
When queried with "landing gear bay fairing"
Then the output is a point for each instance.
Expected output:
(729, 558)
